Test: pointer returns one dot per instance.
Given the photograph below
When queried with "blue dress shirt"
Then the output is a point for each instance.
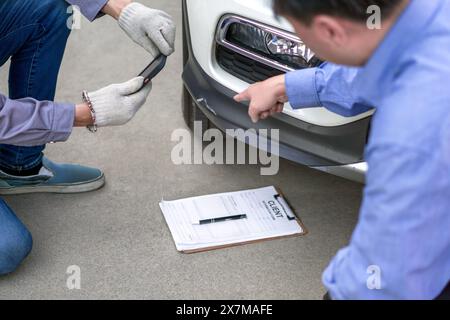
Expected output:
(403, 233)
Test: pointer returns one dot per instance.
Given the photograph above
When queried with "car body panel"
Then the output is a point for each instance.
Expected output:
(337, 149)
(203, 46)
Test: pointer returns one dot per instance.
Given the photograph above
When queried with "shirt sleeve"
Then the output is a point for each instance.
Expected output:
(400, 247)
(28, 122)
(329, 86)
(89, 8)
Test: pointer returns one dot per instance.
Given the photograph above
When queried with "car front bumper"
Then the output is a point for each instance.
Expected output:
(325, 148)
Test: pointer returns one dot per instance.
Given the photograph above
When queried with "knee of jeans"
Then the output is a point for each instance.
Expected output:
(13, 250)
(54, 14)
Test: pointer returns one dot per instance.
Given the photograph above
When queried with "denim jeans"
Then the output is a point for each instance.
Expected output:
(15, 240)
(33, 33)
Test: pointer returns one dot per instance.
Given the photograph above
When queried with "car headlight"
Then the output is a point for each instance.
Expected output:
(285, 50)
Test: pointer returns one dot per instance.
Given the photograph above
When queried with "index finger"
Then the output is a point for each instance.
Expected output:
(243, 96)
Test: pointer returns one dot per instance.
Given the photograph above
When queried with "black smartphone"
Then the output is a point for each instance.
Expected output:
(153, 69)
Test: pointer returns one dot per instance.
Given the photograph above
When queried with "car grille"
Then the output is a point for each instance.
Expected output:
(242, 67)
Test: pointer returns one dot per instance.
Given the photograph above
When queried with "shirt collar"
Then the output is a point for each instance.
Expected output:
(403, 34)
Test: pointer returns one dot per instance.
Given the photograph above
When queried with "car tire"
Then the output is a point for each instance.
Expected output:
(192, 113)
(190, 110)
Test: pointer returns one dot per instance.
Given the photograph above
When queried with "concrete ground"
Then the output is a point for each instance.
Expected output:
(118, 235)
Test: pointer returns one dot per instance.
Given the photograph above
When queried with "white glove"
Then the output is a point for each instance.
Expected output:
(152, 29)
(117, 104)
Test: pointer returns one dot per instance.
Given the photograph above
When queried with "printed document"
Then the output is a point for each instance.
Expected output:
(267, 213)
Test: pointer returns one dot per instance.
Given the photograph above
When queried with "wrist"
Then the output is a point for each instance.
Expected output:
(279, 84)
(114, 8)
(83, 116)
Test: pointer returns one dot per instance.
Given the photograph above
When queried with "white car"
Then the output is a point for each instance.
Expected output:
(231, 44)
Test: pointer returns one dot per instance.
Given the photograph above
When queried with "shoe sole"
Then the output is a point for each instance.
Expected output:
(60, 189)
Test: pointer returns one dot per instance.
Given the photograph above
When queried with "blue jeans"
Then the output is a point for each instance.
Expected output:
(15, 240)
(33, 33)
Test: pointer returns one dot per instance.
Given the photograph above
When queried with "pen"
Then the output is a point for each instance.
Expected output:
(221, 219)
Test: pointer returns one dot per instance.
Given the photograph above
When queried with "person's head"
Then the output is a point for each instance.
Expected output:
(341, 31)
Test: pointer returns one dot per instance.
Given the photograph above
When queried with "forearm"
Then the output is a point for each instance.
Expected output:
(114, 8)
(91, 9)
(152, 29)
(329, 86)
(28, 122)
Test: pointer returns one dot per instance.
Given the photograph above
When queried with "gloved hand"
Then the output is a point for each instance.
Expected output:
(152, 29)
(117, 104)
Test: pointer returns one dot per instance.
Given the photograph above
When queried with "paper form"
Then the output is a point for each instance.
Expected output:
(268, 216)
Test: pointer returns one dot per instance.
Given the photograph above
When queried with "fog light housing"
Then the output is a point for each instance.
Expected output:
(279, 49)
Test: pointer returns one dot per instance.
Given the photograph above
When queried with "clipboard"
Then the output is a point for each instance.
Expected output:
(284, 203)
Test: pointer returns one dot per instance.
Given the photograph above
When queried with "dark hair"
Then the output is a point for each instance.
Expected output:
(355, 10)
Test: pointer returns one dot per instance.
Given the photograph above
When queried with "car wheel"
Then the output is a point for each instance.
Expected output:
(192, 113)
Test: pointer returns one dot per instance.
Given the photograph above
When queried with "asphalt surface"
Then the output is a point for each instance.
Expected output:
(118, 236)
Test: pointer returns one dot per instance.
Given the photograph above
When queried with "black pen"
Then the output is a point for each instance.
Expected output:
(221, 219)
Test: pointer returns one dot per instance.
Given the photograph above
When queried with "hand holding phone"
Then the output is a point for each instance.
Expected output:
(153, 69)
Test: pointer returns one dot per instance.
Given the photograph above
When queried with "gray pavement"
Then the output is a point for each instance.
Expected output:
(118, 235)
